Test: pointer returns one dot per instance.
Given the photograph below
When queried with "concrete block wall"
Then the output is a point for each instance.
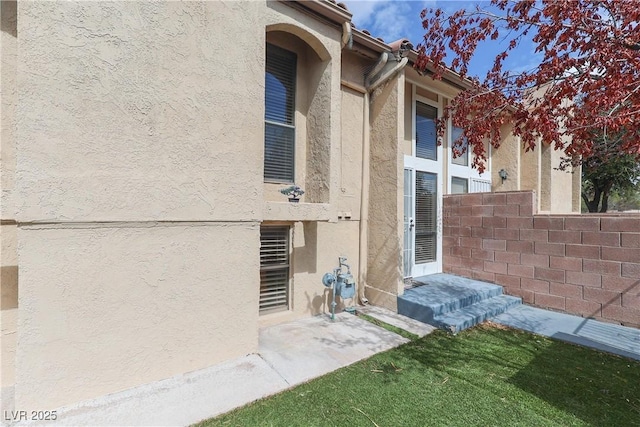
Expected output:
(588, 265)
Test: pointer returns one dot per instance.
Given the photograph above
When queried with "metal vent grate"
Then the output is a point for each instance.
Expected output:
(274, 268)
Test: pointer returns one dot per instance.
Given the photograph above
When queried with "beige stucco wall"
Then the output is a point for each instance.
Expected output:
(8, 307)
(384, 278)
(316, 248)
(147, 122)
(140, 190)
(107, 308)
(530, 170)
(8, 242)
(128, 150)
(351, 140)
(506, 157)
(561, 189)
(557, 191)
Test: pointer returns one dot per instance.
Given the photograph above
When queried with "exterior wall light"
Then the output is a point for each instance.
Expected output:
(503, 174)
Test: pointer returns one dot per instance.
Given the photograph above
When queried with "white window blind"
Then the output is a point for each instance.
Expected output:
(280, 92)
(426, 217)
(426, 136)
(274, 268)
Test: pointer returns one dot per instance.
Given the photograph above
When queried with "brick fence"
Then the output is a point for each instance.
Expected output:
(587, 265)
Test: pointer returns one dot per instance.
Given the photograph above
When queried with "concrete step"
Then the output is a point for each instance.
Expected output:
(442, 294)
(469, 316)
(453, 303)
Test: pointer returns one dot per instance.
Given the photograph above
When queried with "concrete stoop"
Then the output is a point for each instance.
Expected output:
(454, 303)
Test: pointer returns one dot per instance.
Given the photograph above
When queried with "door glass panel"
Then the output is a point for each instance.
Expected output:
(426, 217)
(426, 136)
(407, 253)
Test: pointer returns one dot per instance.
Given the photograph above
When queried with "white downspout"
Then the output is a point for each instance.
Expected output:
(388, 74)
(364, 203)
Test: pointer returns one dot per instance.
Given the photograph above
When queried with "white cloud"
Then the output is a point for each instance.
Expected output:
(390, 20)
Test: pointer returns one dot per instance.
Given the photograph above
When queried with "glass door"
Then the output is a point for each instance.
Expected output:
(422, 194)
(409, 224)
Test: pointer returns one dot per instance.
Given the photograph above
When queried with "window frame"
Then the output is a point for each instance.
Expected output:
(290, 166)
(267, 284)
(475, 182)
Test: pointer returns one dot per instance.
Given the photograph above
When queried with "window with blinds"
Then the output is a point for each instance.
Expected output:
(463, 159)
(274, 268)
(459, 185)
(279, 133)
(426, 136)
(426, 217)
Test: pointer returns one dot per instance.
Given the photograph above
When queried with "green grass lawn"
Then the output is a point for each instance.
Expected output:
(485, 376)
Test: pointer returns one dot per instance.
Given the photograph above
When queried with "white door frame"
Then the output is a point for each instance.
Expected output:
(475, 181)
(414, 164)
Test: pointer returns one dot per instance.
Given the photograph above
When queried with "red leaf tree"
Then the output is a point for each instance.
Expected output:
(587, 82)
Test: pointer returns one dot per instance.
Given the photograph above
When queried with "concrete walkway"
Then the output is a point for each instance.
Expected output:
(602, 336)
(289, 354)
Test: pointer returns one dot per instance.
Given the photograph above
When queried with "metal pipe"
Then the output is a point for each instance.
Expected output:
(382, 61)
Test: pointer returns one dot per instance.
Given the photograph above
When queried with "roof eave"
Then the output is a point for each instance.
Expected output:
(325, 9)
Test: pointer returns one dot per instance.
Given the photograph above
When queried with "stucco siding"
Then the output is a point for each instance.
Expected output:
(384, 279)
(135, 110)
(105, 309)
(316, 250)
(8, 242)
(506, 157)
(351, 154)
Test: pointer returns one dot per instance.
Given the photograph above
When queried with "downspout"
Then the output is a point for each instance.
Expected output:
(347, 35)
(388, 75)
(364, 204)
(364, 197)
(382, 61)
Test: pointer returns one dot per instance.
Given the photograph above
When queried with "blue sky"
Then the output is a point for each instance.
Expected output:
(392, 20)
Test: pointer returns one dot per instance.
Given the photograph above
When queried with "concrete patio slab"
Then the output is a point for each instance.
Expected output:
(309, 348)
(602, 336)
(181, 400)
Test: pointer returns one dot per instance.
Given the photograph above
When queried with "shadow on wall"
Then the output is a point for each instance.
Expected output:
(386, 268)
(306, 257)
(9, 13)
(9, 287)
(321, 304)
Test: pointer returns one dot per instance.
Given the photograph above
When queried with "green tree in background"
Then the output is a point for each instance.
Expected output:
(609, 175)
